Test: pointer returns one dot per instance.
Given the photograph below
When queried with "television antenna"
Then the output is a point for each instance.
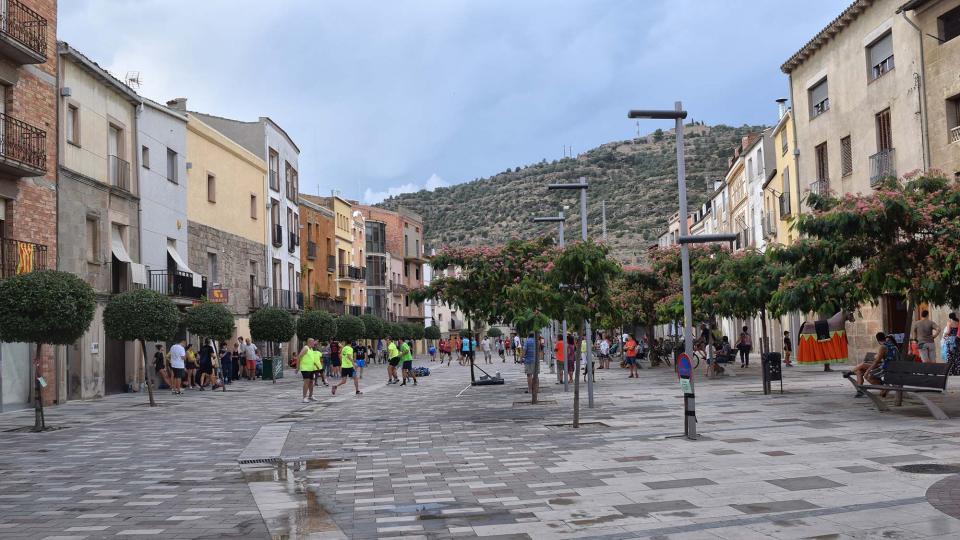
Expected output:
(133, 79)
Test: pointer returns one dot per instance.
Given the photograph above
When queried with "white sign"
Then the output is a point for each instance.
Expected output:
(94, 348)
(685, 386)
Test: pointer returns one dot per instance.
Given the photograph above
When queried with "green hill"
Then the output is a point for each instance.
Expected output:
(637, 179)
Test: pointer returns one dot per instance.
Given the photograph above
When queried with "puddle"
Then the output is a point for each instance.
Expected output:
(411, 508)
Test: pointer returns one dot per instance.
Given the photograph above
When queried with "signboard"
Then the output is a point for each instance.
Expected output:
(686, 386)
(683, 366)
(219, 296)
(277, 369)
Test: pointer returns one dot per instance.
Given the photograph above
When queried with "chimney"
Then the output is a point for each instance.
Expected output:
(781, 107)
(178, 104)
(745, 142)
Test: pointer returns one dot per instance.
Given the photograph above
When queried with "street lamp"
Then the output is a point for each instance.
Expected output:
(558, 219)
(582, 186)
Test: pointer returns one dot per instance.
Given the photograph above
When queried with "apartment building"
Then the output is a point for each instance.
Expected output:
(403, 259)
(28, 173)
(378, 274)
(98, 215)
(782, 194)
(319, 259)
(267, 140)
(225, 213)
(358, 292)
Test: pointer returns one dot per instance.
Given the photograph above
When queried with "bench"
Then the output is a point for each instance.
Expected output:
(905, 377)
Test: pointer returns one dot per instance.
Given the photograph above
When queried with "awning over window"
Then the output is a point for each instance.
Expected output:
(116, 245)
(182, 266)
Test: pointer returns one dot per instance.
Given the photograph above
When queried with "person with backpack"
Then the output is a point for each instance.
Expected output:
(745, 345)
(873, 371)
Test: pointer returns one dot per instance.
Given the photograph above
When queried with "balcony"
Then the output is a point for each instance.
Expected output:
(330, 305)
(23, 34)
(955, 134)
(119, 172)
(331, 263)
(398, 288)
(294, 242)
(177, 283)
(23, 148)
(311, 250)
(413, 255)
(883, 166)
(820, 187)
(785, 210)
(17, 257)
(280, 298)
(351, 273)
(355, 310)
(299, 298)
(769, 226)
(277, 236)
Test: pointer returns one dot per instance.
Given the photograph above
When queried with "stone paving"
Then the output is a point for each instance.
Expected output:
(443, 460)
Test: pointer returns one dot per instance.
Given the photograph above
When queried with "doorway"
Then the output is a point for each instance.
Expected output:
(115, 367)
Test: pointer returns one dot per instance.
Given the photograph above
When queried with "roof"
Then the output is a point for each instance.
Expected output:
(304, 201)
(912, 5)
(164, 109)
(98, 72)
(823, 36)
(261, 120)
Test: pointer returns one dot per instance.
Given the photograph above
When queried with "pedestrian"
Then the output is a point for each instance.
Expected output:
(745, 345)
(237, 357)
(570, 356)
(381, 352)
(406, 357)
(530, 361)
(226, 364)
(191, 362)
(465, 350)
(500, 351)
(604, 353)
(925, 332)
(432, 351)
(360, 350)
(178, 366)
(485, 346)
(160, 366)
(558, 357)
(630, 348)
(206, 364)
(787, 348)
(346, 370)
(334, 358)
(516, 349)
(250, 360)
(307, 364)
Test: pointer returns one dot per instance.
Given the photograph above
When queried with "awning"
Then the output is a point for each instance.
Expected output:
(116, 244)
(182, 266)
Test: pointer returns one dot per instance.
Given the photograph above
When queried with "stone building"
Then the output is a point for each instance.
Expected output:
(98, 215)
(225, 213)
(28, 171)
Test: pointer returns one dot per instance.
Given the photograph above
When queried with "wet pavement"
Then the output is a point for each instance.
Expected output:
(441, 461)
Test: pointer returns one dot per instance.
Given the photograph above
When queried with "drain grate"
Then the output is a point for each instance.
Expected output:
(583, 425)
(260, 460)
(930, 468)
(29, 429)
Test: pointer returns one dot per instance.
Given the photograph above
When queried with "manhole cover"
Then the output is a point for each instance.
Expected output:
(930, 468)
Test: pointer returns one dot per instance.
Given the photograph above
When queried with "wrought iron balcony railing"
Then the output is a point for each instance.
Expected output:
(311, 250)
(23, 147)
(19, 257)
(176, 283)
(119, 172)
(820, 186)
(26, 28)
(882, 166)
(353, 273)
(277, 237)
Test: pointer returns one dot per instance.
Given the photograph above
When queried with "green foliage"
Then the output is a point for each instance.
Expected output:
(273, 325)
(432, 332)
(140, 314)
(45, 306)
(581, 275)
(530, 320)
(317, 324)
(210, 320)
(494, 332)
(658, 135)
(416, 331)
(373, 326)
(349, 328)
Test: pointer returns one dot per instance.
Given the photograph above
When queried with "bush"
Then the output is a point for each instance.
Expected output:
(142, 314)
(415, 331)
(432, 332)
(318, 325)
(46, 306)
(272, 324)
(494, 332)
(373, 326)
(349, 328)
(210, 320)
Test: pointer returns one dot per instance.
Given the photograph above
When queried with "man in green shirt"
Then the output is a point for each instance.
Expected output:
(406, 356)
(346, 369)
(393, 355)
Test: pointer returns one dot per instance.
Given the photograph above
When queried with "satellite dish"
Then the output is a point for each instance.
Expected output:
(133, 79)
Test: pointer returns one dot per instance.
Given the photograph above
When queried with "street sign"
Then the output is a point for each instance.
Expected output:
(683, 366)
(219, 296)
(685, 386)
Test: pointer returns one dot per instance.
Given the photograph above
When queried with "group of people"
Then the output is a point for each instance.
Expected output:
(183, 367)
(347, 362)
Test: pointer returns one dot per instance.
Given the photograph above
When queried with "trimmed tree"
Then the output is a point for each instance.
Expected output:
(372, 326)
(432, 332)
(210, 320)
(349, 328)
(272, 325)
(141, 315)
(44, 307)
(316, 324)
(493, 332)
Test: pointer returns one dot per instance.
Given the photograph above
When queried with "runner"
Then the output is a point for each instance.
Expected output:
(406, 356)
(307, 363)
(394, 360)
(346, 370)
(334, 359)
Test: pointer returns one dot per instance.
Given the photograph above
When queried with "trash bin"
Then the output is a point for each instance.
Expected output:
(772, 370)
(272, 368)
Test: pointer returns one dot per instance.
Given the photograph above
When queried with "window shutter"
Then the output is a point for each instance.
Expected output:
(881, 49)
(818, 93)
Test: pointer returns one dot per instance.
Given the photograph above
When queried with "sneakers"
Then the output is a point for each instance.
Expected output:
(305, 400)
(414, 382)
(359, 393)
(859, 394)
(311, 398)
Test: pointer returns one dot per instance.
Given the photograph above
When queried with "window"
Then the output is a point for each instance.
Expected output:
(406, 270)
(783, 143)
(949, 25)
(786, 182)
(145, 157)
(417, 269)
(72, 125)
(211, 188)
(293, 182)
(212, 272)
(274, 170)
(953, 119)
(253, 206)
(880, 56)
(760, 169)
(819, 99)
(884, 134)
(823, 169)
(846, 157)
(93, 240)
(750, 168)
(172, 166)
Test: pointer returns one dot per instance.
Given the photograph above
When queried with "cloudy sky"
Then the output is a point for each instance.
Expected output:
(391, 96)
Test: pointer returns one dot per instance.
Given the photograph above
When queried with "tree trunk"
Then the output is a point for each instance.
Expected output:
(906, 337)
(764, 343)
(536, 371)
(473, 377)
(576, 387)
(39, 423)
(146, 376)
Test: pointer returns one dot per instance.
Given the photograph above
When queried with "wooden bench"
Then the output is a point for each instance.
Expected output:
(905, 377)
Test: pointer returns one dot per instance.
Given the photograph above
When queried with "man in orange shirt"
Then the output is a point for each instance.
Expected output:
(558, 356)
(630, 349)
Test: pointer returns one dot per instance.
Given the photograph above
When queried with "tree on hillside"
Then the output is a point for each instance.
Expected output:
(44, 307)
(141, 315)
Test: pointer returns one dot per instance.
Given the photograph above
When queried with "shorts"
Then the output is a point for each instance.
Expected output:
(408, 365)
(335, 363)
(529, 369)
(251, 365)
(208, 370)
(179, 372)
(308, 375)
(346, 372)
(361, 363)
(394, 362)
(631, 360)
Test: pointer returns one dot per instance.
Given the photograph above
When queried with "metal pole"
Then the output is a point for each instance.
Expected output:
(566, 378)
(586, 323)
(689, 408)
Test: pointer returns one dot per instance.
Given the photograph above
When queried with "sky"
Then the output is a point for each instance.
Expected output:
(384, 97)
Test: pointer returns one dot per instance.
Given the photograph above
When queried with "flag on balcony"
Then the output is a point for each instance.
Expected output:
(24, 258)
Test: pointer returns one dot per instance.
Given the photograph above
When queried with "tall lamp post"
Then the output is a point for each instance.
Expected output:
(560, 220)
(582, 186)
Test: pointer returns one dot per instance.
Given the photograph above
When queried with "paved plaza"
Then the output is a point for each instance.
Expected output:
(443, 460)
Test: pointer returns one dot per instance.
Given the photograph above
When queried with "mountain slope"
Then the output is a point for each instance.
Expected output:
(637, 179)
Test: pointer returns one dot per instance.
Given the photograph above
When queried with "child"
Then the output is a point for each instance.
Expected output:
(787, 349)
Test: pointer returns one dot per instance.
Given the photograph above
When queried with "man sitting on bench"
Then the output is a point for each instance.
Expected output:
(873, 371)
